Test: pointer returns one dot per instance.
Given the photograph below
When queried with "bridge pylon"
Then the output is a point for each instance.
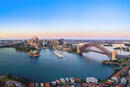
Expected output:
(78, 50)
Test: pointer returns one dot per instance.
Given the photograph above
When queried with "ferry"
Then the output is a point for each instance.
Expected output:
(58, 53)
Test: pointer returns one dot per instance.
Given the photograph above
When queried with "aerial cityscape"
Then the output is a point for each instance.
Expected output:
(64, 43)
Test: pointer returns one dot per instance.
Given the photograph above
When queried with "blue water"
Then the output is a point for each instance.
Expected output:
(49, 67)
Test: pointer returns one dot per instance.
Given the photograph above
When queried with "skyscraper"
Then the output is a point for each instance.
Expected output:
(61, 41)
(34, 41)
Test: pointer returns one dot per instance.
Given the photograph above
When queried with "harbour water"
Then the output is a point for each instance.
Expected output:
(49, 67)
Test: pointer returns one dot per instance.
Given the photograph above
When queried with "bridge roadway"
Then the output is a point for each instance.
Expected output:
(102, 49)
(123, 56)
(5, 45)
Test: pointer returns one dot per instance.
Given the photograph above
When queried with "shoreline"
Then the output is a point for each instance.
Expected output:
(80, 80)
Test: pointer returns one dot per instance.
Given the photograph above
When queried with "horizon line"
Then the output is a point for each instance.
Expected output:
(66, 39)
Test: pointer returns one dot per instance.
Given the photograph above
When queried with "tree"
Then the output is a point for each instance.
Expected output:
(13, 85)
(2, 83)
(9, 76)
(24, 81)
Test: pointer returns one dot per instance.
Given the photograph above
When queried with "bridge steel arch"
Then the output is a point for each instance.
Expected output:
(102, 49)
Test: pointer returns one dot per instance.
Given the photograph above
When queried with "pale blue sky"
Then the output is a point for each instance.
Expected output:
(92, 17)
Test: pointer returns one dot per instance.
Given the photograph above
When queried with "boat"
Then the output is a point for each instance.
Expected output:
(58, 53)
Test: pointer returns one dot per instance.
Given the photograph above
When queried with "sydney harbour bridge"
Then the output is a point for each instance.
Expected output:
(87, 47)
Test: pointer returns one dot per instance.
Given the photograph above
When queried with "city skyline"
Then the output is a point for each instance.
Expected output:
(69, 19)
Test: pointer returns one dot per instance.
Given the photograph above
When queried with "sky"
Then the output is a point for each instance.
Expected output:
(69, 19)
